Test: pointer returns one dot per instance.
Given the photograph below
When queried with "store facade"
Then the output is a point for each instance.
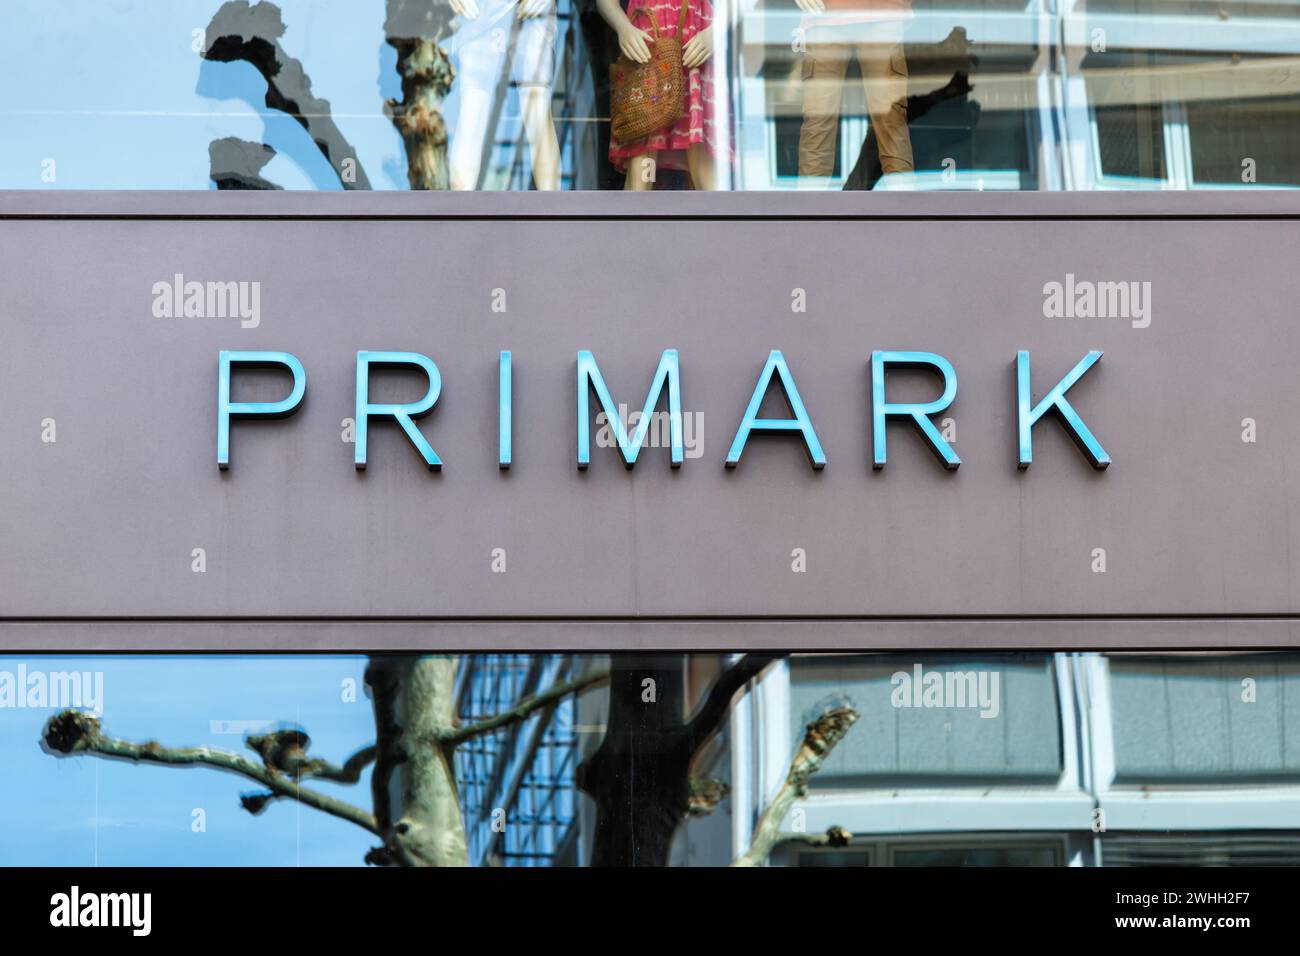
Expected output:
(987, 381)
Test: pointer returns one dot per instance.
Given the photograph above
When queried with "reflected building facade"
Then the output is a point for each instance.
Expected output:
(1065, 759)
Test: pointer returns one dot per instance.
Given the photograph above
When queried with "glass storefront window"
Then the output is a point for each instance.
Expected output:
(1223, 717)
(907, 743)
(985, 850)
(775, 94)
(978, 855)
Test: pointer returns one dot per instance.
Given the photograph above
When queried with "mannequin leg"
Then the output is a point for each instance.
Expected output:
(641, 172)
(701, 167)
(824, 66)
(540, 130)
(884, 79)
(466, 154)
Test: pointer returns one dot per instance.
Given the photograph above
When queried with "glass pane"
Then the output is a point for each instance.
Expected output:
(1232, 137)
(835, 858)
(558, 760)
(978, 856)
(1197, 718)
(937, 719)
(550, 94)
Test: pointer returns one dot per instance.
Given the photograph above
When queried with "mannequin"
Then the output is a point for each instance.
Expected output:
(688, 143)
(952, 53)
(870, 31)
(489, 30)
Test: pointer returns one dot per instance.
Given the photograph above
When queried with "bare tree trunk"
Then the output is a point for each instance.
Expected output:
(640, 776)
(416, 804)
(414, 28)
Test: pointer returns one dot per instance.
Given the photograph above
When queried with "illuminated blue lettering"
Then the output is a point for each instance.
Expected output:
(800, 423)
(226, 409)
(589, 379)
(1055, 401)
(404, 414)
(505, 411)
(919, 413)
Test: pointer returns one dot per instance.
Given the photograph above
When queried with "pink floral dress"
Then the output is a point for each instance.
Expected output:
(696, 124)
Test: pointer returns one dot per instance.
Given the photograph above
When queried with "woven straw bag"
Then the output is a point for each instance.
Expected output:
(648, 97)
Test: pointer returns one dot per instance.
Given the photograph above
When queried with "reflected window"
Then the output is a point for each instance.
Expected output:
(1205, 718)
(920, 718)
(1268, 848)
(910, 95)
(975, 851)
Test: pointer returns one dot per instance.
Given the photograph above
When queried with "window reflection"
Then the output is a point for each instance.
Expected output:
(1065, 759)
(776, 94)
(495, 44)
(669, 43)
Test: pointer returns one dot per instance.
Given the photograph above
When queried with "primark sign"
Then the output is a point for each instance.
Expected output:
(665, 385)
(728, 419)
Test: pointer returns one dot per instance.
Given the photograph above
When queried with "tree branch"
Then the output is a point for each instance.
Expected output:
(285, 751)
(835, 836)
(709, 715)
(240, 31)
(350, 772)
(236, 163)
(72, 732)
(526, 707)
(819, 740)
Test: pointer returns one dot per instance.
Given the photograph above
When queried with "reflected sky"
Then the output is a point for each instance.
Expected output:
(86, 811)
(115, 93)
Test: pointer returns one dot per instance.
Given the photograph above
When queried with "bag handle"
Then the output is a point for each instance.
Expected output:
(654, 20)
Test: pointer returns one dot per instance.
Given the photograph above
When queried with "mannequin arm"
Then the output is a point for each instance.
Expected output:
(634, 42)
(698, 48)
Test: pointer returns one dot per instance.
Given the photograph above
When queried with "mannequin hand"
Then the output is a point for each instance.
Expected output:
(534, 8)
(465, 8)
(634, 43)
(698, 48)
(811, 6)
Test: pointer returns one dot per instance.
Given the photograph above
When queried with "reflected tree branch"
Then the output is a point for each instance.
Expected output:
(251, 33)
(74, 733)
(819, 740)
(713, 710)
(527, 707)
